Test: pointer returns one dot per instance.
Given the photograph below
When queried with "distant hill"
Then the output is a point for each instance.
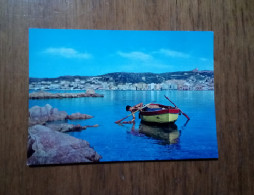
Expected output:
(128, 77)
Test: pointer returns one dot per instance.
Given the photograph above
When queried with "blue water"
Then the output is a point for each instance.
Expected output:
(142, 142)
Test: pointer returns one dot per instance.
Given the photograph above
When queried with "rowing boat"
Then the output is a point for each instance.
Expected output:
(160, 114)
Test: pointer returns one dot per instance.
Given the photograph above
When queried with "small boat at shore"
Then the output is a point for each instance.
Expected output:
(160, 114)
(155, 113)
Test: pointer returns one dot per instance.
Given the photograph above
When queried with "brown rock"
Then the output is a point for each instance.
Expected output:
(65, 127)
(47, 95)
(40, 115)
(90, 91)
(77, 116)
(46, 146)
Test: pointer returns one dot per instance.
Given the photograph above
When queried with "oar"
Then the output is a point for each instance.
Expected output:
(178, 108)
(119, 121)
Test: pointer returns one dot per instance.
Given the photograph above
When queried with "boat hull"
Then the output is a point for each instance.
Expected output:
(160, 118)
(159, 114)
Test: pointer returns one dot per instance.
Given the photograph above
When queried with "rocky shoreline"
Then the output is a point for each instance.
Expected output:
(46, 146)
(48, 95)
(48, 143)
(42, 115)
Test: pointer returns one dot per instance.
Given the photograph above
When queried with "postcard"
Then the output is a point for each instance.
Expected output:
(100, 96)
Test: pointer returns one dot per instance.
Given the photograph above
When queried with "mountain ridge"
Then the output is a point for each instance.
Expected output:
(131, 77)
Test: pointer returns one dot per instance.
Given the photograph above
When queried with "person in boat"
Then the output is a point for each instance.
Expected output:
(133, 109)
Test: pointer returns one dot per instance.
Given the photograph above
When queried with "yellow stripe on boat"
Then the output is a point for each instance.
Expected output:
(161, 118)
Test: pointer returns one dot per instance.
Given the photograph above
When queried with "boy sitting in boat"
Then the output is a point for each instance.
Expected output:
(133, 109)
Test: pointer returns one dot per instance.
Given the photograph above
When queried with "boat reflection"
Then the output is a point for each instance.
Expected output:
(168, 134)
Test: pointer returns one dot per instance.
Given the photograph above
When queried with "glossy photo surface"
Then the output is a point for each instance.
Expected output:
(80, 82)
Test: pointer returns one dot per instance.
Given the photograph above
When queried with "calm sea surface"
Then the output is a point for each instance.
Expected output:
(143, 142)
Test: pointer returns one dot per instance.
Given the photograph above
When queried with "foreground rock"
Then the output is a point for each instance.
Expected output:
(77, 116)
(40, 115)
(47, 95)
(46, 146)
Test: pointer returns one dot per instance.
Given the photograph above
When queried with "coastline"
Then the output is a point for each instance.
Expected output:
(48, 95)
(108, 138)
(187, 80)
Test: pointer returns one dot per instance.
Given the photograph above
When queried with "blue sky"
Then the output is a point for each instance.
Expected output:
(59, 52)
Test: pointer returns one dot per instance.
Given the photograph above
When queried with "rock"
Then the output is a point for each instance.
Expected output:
(47, 95)
(96, 125)
(40, 115)
(65, 127)
(57, 115)
(30, 150)
(51, 147)
(39, 94)
(77, 116)
(90, 91)
(35, 122)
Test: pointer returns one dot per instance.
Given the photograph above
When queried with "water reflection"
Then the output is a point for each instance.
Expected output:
(168, 134)
(165, 134)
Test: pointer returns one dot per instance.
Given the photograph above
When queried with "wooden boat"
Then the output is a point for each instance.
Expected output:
(160, 114)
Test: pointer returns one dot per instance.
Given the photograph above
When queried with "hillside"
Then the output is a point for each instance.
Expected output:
(185, 80)
(126, 77)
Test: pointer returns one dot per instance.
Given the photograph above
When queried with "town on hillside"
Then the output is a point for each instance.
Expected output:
(184, 80)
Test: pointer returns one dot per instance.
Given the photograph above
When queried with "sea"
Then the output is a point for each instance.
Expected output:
(184, 140)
